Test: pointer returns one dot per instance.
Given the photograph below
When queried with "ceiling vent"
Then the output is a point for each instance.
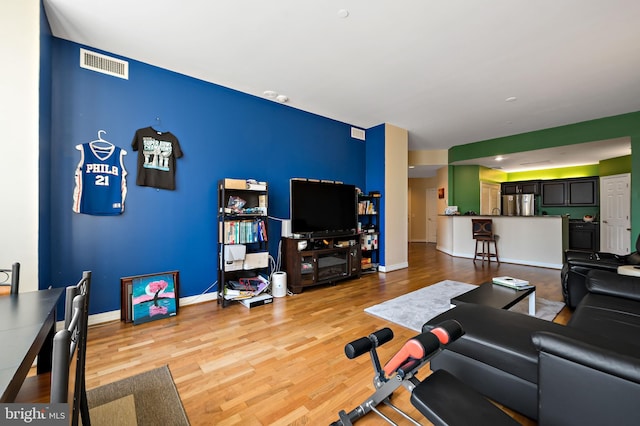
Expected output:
(104, 64)
(357, 133)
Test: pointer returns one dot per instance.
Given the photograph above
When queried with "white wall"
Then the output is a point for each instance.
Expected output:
(524, 240)
(19, 46)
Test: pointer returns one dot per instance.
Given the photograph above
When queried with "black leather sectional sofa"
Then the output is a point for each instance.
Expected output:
(577, 265)
(584, 373)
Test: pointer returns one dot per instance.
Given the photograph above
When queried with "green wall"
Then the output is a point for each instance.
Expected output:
(573, 212)
(468, 178)
(587, 131)
(466, 181)
(615, 166)
(625, 125)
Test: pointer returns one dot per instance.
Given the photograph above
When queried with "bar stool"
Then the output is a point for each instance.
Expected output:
(483, 233)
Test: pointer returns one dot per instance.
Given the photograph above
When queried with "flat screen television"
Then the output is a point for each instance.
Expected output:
(323, 208)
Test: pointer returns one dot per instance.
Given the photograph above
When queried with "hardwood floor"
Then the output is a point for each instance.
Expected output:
(282, 363)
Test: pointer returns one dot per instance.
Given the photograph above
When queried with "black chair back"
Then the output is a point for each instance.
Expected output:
(72, 339)
(482, 228)
(11, 277)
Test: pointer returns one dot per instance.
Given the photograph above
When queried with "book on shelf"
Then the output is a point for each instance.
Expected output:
(244, 288)
(232, 294)
(511, 282)
(366, 207)
(244, 231)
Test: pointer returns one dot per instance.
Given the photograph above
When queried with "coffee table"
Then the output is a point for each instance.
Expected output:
(497, 296)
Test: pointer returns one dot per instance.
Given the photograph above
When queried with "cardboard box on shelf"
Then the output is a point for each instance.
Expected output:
(235, 183)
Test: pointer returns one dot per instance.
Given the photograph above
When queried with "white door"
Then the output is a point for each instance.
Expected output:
(432, 214)
(615, 211)
(489, 198)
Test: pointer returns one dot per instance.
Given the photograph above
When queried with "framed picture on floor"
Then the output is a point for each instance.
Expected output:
(150, 297)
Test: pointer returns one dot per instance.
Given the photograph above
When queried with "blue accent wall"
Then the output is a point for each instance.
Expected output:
(223, 133)
(44, 165)
(375, 175)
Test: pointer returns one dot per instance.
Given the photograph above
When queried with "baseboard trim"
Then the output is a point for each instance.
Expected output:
(514, 261)
(444, 250)
(115, 315)
(389, 268)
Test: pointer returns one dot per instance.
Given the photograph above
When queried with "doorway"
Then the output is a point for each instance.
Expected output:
(615, 213)
(432, 214)
(489, 198)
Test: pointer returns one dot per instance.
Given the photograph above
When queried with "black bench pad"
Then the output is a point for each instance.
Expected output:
(445, 400)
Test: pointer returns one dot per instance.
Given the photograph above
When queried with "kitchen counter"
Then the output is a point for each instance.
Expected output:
(525, 240)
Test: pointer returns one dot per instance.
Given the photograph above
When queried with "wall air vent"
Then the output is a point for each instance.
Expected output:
(357, 133)
(104, 64)
(531, 163)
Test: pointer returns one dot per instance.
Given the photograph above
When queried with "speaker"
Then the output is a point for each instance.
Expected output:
(286, 228)
(279, 284)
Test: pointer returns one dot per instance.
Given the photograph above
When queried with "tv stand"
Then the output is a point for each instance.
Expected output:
(323, 260)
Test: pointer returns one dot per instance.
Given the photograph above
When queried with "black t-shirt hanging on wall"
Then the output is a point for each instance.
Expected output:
(157, 154)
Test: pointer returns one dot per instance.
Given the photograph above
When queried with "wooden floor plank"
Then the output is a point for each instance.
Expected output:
(282, 363)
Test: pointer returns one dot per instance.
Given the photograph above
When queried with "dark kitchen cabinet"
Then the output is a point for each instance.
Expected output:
(584, 236)
(554, 193)
(583, 192)
(524, 187)
(530, 187)
(571, 192)
(509, 188)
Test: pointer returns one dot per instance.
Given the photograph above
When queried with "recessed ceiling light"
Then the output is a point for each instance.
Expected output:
(511, 99)
(282, 98)
(499, 158)
(343, 13)
(412, 167)
(270, 94)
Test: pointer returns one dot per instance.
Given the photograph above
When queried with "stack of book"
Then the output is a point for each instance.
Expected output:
(245, 288)
(511, 282)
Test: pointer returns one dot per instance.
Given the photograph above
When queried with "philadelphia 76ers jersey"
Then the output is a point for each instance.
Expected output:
(101, 184)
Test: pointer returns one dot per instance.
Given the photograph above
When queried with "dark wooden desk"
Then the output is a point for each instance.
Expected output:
(27, 326)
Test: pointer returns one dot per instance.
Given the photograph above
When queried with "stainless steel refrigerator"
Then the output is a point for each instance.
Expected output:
(518, 205)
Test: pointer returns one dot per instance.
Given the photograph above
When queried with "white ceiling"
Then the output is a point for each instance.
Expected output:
(440, 69)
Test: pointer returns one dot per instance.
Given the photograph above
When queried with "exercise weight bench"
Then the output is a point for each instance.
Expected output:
(440, 397)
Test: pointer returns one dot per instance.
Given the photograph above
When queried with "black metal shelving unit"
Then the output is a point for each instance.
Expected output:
(242, 221)
(369, 218)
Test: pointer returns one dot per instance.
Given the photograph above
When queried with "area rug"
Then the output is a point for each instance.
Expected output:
(413, 309)
(148, 398)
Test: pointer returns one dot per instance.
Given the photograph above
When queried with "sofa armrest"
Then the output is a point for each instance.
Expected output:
(587, 261)
(595, 256)
(596, 382)
(612, 284)
(608, 356)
